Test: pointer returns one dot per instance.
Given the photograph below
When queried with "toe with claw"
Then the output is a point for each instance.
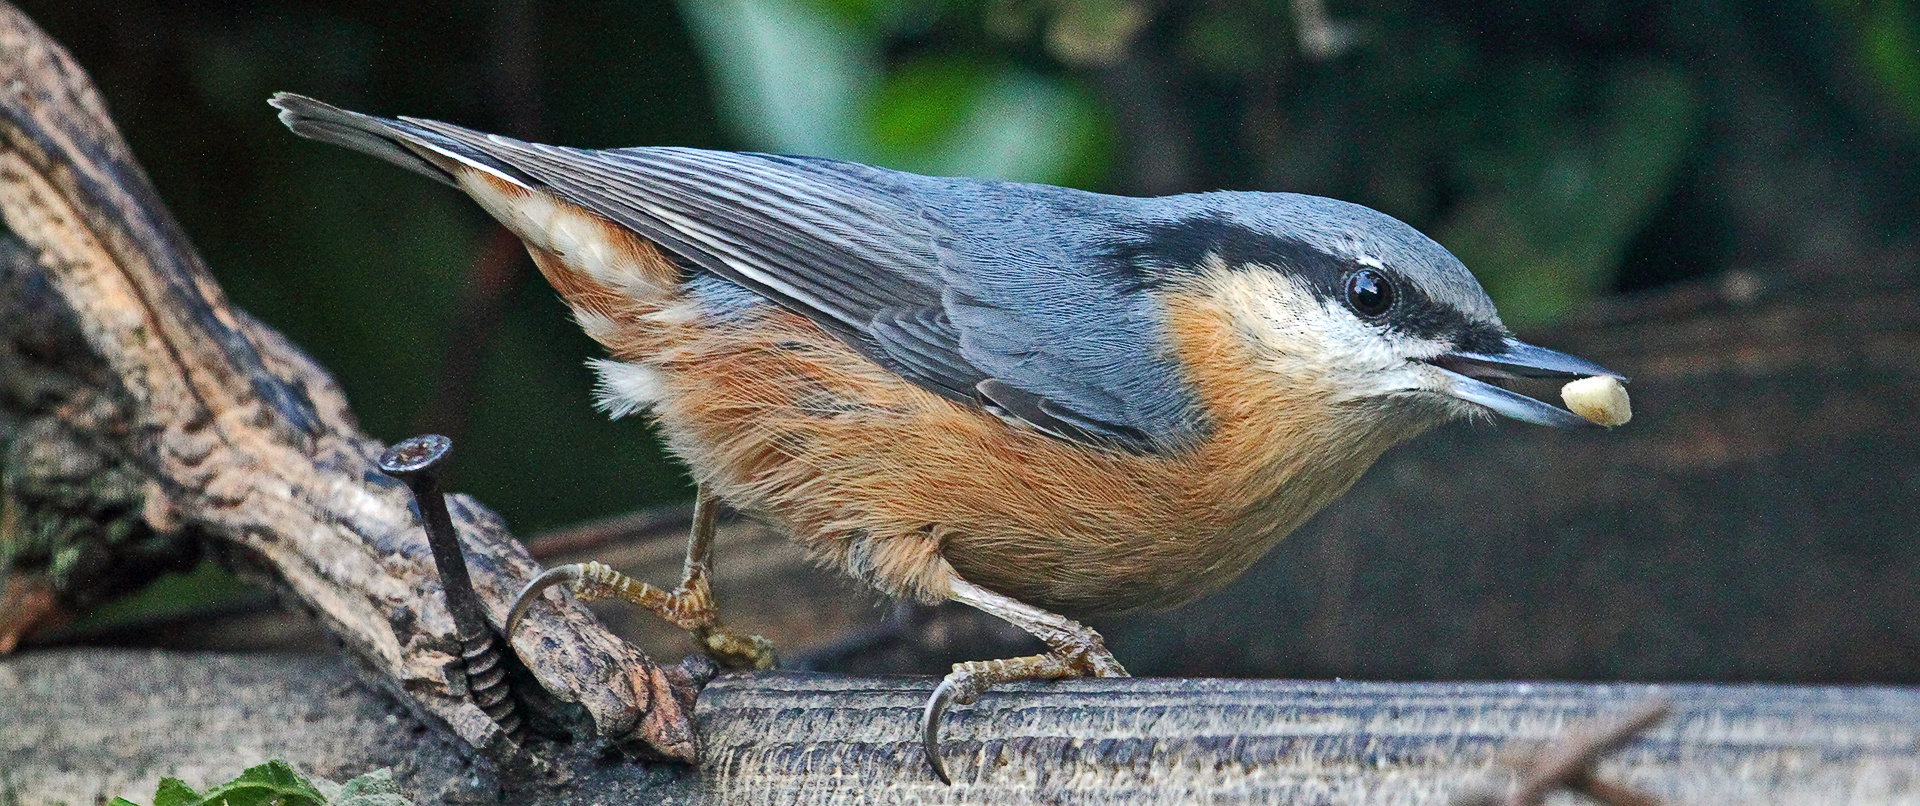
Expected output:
(690, 608)
(965, 683)
(561, 575)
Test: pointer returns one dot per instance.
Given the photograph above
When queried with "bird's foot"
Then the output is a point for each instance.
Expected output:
(1084, 655)
(733, 650)
(689, 607)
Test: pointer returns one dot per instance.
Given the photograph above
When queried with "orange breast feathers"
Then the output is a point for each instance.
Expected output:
(898, 485)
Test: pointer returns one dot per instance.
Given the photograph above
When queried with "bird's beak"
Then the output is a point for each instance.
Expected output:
(1518, 359)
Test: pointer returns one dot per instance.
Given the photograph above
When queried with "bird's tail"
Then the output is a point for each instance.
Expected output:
(401, 142)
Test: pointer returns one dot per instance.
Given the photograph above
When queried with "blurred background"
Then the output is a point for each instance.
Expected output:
(1718, 197)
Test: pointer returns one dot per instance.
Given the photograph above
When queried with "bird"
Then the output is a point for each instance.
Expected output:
(1041, 402)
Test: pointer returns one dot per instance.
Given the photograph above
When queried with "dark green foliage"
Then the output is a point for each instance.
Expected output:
(276, 783)
(1562, 152)
(271, 784)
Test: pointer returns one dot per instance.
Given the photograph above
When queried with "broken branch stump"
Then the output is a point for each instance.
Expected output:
(232, 436)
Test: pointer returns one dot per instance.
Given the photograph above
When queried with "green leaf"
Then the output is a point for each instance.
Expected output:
(798, 77)
(957, 117)
(271, 784)
(373, 789)
(275, 783)
(921, 103)
(175, 792)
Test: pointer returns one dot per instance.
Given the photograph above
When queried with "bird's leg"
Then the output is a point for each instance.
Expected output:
(689, 607)
(1077, 651)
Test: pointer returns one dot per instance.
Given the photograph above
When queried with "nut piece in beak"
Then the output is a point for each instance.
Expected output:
(1601, 399)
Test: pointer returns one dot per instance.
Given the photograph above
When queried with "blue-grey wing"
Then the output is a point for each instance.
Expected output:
(991, 294)
(1039, 303)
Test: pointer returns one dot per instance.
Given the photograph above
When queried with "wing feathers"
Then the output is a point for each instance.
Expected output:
(985, 293)
(796, 254)
(921, 341)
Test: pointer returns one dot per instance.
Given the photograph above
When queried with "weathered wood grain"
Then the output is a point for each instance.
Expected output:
(84, 724)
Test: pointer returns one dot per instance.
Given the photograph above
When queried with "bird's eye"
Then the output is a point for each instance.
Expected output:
(1369, 293)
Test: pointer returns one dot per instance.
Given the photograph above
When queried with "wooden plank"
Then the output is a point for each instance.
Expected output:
(76, 725)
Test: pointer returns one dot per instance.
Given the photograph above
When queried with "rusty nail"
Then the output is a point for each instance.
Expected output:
(414, 461)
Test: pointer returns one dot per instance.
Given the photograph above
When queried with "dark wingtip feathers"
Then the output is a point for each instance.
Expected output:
(379, 137)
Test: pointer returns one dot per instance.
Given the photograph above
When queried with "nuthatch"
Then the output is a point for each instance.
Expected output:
(1037, 401)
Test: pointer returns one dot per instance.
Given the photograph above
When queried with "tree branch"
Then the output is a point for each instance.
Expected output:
(238, 436)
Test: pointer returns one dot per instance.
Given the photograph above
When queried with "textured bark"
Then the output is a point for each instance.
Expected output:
(196, 422)
(121, 719)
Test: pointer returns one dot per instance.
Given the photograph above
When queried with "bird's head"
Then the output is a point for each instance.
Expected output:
(1352, 303)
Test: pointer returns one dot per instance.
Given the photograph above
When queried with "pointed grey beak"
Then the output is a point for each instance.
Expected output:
(1518, 360)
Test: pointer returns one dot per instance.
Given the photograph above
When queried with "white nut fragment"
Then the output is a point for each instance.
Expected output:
(1600, 398)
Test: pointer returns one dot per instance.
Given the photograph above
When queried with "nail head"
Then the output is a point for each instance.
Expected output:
(415, 454)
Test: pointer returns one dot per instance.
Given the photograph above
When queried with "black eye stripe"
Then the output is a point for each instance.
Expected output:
(1157, 256)
(1369, 293)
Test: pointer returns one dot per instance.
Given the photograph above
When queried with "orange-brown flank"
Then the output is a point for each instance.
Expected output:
(902, 487)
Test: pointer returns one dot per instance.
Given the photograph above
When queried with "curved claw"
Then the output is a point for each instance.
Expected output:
(943, 696)
(531, 593)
